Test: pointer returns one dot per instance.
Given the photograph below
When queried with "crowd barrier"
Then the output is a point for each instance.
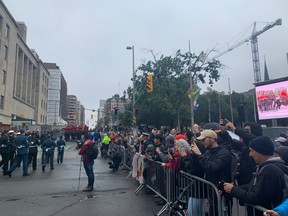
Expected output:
(201, 196)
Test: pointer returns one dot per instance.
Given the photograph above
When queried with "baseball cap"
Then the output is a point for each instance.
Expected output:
(207, 133)
(280, 139)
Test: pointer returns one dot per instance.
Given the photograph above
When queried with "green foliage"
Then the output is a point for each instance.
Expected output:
(169, 104)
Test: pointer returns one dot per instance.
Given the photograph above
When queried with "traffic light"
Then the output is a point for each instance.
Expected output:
(136, 110)
(116, 110)
(92, 116)
(149, 83)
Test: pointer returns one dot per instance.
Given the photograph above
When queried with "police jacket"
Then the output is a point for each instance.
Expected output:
(216, 163)
(266, 187)
(60, 144)
(22, 144)
(4, 148)
(48, 146)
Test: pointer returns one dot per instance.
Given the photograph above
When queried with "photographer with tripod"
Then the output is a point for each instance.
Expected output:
(87, 162)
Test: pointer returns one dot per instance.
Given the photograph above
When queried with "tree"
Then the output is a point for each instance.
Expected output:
(171, 85)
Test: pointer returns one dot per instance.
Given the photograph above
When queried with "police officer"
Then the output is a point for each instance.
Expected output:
(60, 147)
(4, 151)
(22, 145)
(12, 147)
(48, 147)
(33, 150)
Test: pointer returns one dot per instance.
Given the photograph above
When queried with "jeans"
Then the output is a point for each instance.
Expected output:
(49, 157)
(19, 158)
(60, 154)
(88, 166)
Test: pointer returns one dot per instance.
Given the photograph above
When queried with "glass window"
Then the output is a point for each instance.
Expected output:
(5, 52)
(3, 78)
(7, 31)
(2, 102)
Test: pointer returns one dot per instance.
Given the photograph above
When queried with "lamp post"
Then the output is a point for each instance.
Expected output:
(133, 73)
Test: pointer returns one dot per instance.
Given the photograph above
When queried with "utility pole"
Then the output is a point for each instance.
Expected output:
(133, 78)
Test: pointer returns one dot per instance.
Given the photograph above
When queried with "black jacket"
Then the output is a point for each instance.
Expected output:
(266, 187)
(216, 163)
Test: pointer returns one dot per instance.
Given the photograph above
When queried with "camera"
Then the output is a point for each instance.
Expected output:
(223, 122)
(220, 185)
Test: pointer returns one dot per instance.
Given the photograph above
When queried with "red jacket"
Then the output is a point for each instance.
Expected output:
(83, 151)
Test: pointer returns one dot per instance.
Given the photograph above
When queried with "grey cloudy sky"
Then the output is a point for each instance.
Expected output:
(88, 38)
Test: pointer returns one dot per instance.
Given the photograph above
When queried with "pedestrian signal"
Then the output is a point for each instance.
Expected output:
(149, 83)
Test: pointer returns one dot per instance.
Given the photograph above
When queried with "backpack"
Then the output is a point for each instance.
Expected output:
(92, 151)
(284, 170)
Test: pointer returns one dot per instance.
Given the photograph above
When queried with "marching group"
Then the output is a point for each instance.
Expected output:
(22, 146)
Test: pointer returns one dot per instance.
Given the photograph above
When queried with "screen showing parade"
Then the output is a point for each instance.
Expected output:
(272, 100)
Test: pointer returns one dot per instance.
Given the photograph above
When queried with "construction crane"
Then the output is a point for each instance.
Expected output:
(254, 47)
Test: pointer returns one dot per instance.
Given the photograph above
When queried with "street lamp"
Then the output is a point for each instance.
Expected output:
(133, 73)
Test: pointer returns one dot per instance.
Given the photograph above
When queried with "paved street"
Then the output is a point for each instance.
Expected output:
(55, 193)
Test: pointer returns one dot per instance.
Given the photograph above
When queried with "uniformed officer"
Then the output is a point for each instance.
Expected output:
(4, 151)
(22, 145)
(60, 147)
(48, 147)
(33, 150)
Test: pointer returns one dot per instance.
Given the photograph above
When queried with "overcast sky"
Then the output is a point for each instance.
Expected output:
(88, 39)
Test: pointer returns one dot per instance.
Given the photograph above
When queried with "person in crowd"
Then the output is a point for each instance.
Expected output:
(33, 149)
(144, 142)
(282, 152)
(169, 140)
(4, 151)
(159, 149)
(105, 146)
(60, 149)
(281, 141)
(247, 164)
(22, 144)
(12, 147)
(216, 162)
(48, 147)
(115, 158)
(281, 210)
(268, 173)
(87, 163)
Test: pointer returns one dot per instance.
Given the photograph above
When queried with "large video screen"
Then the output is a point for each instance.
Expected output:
(272, 101)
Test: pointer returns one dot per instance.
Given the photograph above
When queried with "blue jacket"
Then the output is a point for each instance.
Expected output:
(282, 209)
(22, 144)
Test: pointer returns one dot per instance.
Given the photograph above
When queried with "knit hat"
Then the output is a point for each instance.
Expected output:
(262, 145)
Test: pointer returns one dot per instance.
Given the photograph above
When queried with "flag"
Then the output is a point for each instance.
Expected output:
(196, 95)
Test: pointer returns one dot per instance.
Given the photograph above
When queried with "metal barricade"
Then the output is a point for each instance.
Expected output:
(201, 196)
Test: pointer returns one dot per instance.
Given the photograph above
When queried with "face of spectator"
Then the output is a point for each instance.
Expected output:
(255, 155)
(208, 142)
(277, 143)
(156, 141)
(247, 128)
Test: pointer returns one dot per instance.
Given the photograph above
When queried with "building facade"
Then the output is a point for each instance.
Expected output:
(21, 99)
